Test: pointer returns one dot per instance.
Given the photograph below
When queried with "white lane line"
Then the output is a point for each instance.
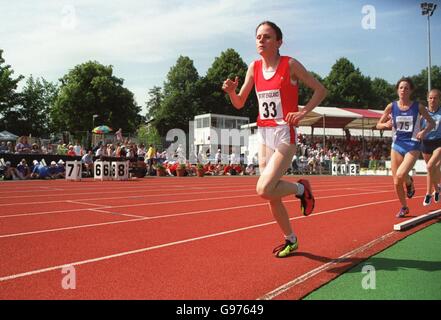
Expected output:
(291, 284)
(83, 203)
(121, 254)
(118, 214)
(124, 206)
(153, 188)
(139, 196)
(69, 228)
(180, 201)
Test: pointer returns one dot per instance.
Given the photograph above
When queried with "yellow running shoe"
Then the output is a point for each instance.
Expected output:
(286, 249)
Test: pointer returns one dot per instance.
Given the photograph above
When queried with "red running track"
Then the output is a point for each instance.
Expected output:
(186, 238)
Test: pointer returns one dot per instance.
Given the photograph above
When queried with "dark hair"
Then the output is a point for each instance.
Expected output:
(279, 35)
(405, 79)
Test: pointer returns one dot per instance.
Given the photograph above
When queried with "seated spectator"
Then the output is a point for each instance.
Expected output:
(62, 149)
(71, 151)
(87, 161)
(23, 170)
(52, 170)
(209, 169)
(10, 147)
(23, 146)
(250, 169)
(171, 168)
(9, 172)
(3, 147)
(35, 149)
(77, 149)
(40, 171)
(61, 169)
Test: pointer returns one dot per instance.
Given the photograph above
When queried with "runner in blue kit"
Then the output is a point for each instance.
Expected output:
(431, 148)
(403, 117)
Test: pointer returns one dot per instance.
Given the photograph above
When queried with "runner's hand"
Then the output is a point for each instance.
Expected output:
(230, 86)
(293, 118)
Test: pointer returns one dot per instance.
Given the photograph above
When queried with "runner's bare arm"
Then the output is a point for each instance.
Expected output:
(298, 72)
(430, 123)
(385, 121)
(229, 86)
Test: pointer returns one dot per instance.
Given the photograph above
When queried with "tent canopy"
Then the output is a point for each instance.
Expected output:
(345, 118)
(6, 136)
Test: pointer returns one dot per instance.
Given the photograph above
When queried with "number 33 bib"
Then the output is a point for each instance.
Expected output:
(270, 105)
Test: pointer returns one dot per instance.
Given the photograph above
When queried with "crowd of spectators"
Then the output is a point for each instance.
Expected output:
(313, 157)
(36, 170)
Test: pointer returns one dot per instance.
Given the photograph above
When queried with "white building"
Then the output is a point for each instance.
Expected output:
(215, 131)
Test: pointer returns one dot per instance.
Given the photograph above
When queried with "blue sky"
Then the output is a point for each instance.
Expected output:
(143, 39)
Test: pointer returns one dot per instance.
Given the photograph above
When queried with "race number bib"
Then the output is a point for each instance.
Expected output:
(404, 123)
(436, 126)
(270, 105)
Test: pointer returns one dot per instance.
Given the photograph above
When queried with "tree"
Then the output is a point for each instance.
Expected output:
(228, 65)
(421, 85)
(306, 93)
(181, 101)
(347, 87)
(91, 88)
(383, 94)
(37, 98)
(148, 134)
(154, 103)
(9, 98)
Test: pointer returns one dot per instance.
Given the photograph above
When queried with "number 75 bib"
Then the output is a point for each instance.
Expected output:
(270, 105)
(404, 123)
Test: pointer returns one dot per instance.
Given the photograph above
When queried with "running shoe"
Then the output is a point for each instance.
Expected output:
(307, 201)
(427, 200)
(403, 212)
(286, 249)
(410, 188)
(436, 194)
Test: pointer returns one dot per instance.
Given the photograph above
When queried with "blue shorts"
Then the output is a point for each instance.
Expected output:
(403, 147)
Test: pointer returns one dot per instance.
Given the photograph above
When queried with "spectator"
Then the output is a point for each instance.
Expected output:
(149, 157)
(218, 156)
(77, 149)
(87, 161)
(118, 135)
(141, 152)
(23, 170)
(35, 149)
(23, 146)
(3, 147)
(61, 169)
(62, 149)
(52, 170)
(40, 171)
(9, 172)
(70, 151)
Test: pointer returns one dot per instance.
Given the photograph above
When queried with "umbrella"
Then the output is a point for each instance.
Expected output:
(102, 129)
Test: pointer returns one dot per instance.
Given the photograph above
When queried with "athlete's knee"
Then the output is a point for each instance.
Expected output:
(400, 177)
(264, 190)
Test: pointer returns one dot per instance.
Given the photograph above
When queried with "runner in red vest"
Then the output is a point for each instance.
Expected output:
(275, 78)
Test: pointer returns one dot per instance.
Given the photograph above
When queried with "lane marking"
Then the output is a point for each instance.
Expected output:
(121, 254)
(178, 201)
